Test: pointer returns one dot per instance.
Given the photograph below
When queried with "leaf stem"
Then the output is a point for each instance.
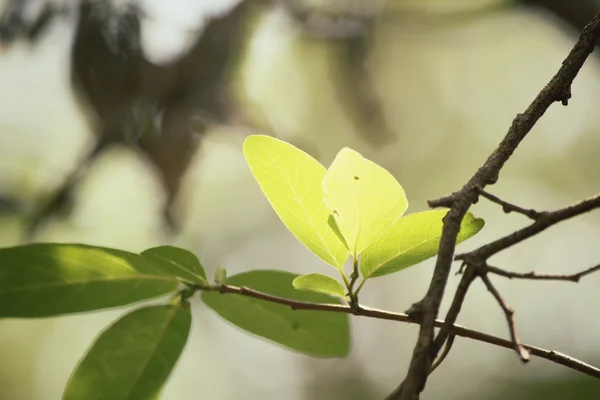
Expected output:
(353, 278)
(346, 281)
(360, 286)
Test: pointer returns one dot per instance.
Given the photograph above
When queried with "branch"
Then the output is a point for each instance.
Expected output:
(544, 221)
(541, 277)
(509, 313)
(509, 207)
(558, 89)
(368, 312)
(442, 357)
(469, 275)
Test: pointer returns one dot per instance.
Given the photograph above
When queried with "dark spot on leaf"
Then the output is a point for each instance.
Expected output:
(355, 177)
(295, 326)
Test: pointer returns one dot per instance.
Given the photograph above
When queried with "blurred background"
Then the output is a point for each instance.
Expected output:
(124, 128)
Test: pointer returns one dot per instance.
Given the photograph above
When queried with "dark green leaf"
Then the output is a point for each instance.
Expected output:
(316, 333)
(178, 262)
(132, 358)
(41, 280)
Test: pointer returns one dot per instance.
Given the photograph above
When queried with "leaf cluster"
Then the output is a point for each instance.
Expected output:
(351, 211)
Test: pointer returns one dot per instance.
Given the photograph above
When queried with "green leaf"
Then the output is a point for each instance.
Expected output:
(320, 283)
(220, 276)
(291, 181)
(414, 238)
(178, 262)
(132, 358)
(41, 280)
(316, 333)
(364, 198)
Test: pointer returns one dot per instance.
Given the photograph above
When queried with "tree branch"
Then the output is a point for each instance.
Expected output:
(447, 348)
(368, 312)
(542, 277)
(425, 311)
(509, 207)
(509, 313)
(544, 221)
(469, 275)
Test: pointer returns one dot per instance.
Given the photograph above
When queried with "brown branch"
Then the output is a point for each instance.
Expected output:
(544, 221)
(542, 277)
(426, 310)
(509, 313)
(447, 348)
(368, 312)
(469, 275)
(509, 207)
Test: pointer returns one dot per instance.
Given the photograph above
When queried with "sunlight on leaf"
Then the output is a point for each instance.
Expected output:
(315, 333)
(178, 262)
(414, 238)
(364, 198)
(41, 280)
(132, 358)
(320, 283)
(291, 181)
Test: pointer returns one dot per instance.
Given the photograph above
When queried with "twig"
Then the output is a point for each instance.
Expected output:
(469, 275)
(509, 313)
(542, 277)
(509, 207)
(544, 221)
(558, 89)
(442, 357)
(369, 312)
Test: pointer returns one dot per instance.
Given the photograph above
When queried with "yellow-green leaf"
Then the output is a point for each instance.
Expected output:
(320, 283)
(414, 238)
(291, 181)
(364, 198)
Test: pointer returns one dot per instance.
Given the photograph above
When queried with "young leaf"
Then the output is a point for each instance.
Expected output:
(41, 280)
(364, 198)
(320, 283)
(132, 358)
(291, 181)
(414, 238)
(178, 262)
(220, 276)
(315, 333)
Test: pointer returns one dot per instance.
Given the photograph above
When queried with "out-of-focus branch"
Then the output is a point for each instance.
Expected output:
(426, 310)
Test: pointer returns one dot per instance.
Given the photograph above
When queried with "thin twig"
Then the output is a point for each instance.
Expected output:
(509, 207)
(469, 275)
(445, 352)
(544, 221)
(369, 312)
(558, 89)
(509, 313)
(542, 277)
